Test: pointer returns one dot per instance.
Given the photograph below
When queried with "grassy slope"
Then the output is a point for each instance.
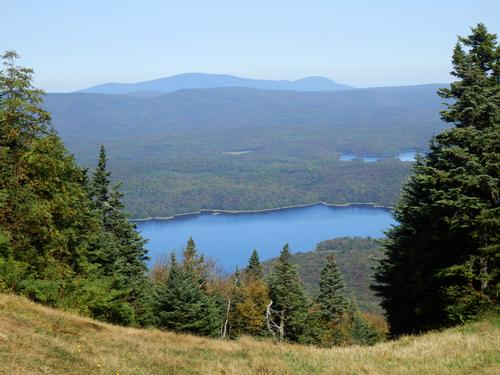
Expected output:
(36, 339)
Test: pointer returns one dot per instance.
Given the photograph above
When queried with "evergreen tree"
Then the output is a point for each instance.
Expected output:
(22, 120)
(120, 251)
(101, 184)
(327, 319)
(48, 225)
(254, 268)
(361, 332)
(331, 299)
(44, 211)
(183, 305)
(194, 263)
(441, 264)
(287, 293)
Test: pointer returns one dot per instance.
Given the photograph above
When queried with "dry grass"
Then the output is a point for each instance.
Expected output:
(38, 340)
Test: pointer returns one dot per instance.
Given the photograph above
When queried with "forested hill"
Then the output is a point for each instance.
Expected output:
(406, 114)
(355, 257)
(179, 152)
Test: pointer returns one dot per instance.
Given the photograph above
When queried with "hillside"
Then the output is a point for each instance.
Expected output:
(355, 258)
(39, 340)
(181, 152)
(205, 81)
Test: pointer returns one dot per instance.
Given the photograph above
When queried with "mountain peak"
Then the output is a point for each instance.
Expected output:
(205, 80)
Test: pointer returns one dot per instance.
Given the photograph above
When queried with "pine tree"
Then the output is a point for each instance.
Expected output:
(287, 293)
(441, 264)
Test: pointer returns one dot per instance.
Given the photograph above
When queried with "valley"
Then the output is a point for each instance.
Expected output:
(175, 153)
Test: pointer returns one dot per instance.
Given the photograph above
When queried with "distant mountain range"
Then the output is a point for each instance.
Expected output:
(205, 81)
(187, 150)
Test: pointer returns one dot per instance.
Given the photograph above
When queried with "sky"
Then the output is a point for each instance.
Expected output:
(73, 44)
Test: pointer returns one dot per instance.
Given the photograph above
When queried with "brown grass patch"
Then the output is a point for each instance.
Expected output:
(39, 340)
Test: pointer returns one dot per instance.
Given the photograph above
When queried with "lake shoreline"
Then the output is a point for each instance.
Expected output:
(236, 212)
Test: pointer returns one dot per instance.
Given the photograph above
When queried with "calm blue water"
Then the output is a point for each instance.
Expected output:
(403, 156)
(230, 238)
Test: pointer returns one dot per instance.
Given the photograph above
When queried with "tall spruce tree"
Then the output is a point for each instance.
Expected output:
(288, 296)
(120, 251)
(326, 323)
(254, 268)
(194, 263)
(441, 264)
(331, 299)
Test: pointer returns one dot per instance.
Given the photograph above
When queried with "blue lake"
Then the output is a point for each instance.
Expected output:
(403, 156)
(230, 238)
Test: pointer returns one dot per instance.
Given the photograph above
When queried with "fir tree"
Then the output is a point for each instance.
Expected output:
(101, 185)
(441, 264)
(254, 268)
(331, 299)
(287, 293)
(183, 305)
(326, 320)
(194, 263)
(120, 251)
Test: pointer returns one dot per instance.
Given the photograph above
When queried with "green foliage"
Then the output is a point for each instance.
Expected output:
(254, 269)
(331, 299)
(50, 229)
(22, 120)
(355, 257)
(182, 302)
(287, 293)
(362, 332)
(119, 251)
(170, 150)
(333, 319)
(113, 309)
(44, 210)
(442, 259)
(12, 275)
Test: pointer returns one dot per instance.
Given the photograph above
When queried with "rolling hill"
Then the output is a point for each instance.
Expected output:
(206, 81)
(38, 340)
(181, 152)
(355, 259)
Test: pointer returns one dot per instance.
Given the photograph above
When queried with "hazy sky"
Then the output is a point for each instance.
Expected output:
(73, 44)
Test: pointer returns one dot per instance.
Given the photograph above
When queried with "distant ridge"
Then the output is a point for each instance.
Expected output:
(206, 81)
